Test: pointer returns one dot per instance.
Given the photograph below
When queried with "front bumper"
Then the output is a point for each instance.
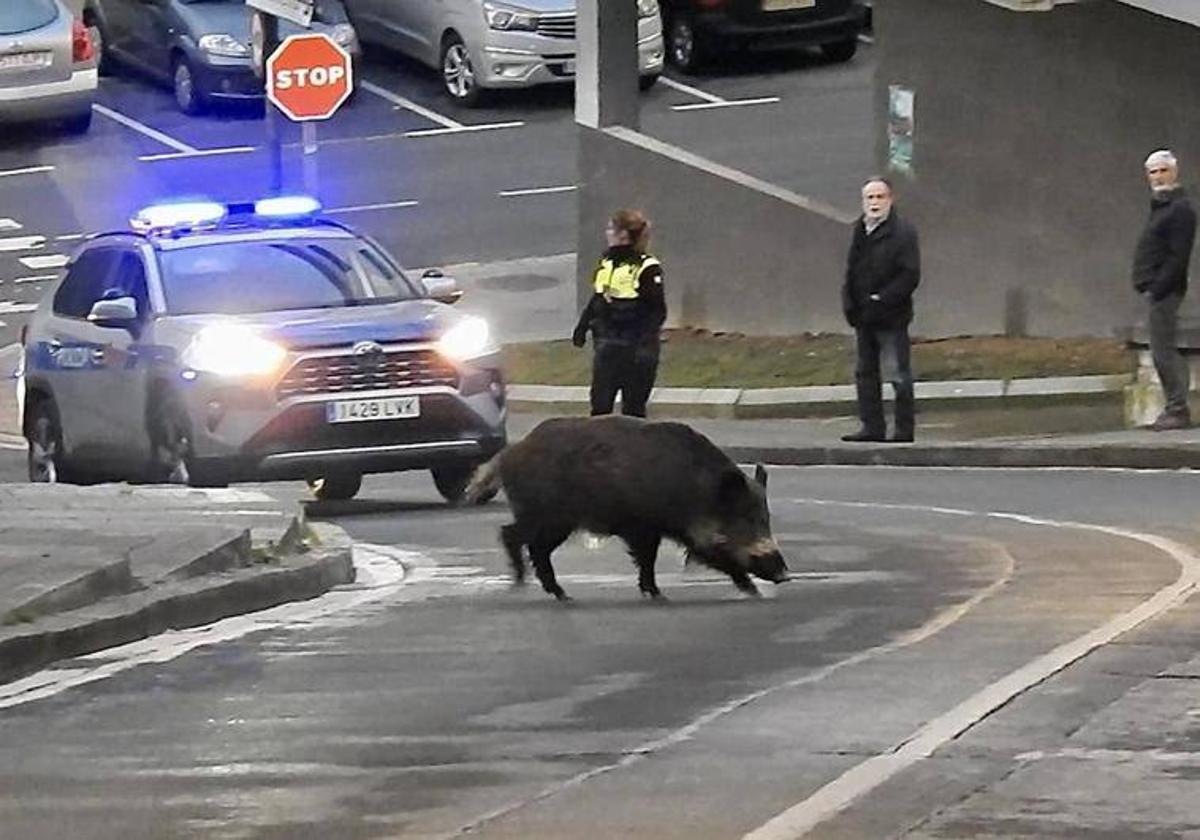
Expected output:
(234, 79)
(769, 33)
(72, 97)
(249, 434)
(533, 60)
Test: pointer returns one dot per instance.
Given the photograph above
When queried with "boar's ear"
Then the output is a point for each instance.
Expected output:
(760, 475)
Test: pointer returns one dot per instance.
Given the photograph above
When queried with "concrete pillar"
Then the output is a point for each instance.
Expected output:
(606, 64)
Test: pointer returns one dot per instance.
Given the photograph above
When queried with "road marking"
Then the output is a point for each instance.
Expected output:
(690, 91)
(14, 442)
(866, 39)
(362, 208)
(70, 237)
(22, 243)
(142, 128)
(48, 261)
(868, 775)
(11, 307)
(466, 129)
(29, 170)
(37, 278)
(727, 103)
(231, 150)
(9, 224)
(402, 102)
(538, 191)
(381, 573)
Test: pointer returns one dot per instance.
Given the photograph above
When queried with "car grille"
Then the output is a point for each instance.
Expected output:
(556, 26)
(347, 374)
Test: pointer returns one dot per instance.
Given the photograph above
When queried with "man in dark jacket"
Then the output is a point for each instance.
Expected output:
(882, 272)
(1160, 274)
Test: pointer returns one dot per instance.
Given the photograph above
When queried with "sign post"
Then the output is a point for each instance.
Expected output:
(264, 39)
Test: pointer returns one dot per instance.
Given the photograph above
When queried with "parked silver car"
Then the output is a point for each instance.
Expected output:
(485, 44)
(47, 64)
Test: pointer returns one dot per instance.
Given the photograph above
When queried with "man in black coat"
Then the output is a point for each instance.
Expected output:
(1160, 274)
(882, 273)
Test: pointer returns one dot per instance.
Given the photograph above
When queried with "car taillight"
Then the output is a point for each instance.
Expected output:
(81, 42)
(711, 4)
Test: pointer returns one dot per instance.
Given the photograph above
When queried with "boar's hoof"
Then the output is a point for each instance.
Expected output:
(655, 596)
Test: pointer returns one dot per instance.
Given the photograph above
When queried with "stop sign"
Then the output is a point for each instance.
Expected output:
(309, 77)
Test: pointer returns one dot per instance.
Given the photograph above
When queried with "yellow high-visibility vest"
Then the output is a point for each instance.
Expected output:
(620, 282)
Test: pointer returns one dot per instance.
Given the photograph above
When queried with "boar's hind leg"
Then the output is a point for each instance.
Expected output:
(540, 549)
(644, 549)
(514, 544)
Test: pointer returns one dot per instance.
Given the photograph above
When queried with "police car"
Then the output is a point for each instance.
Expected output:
(213, 343)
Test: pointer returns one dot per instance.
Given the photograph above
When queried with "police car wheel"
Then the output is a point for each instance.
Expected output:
(45, 444)
(335, 487)
(452, 480)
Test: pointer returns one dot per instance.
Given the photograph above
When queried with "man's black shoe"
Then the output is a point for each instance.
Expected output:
(900, 437)
(864, 436)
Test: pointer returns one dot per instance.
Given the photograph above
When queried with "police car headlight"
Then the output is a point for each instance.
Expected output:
(468, 339)
(231, 350)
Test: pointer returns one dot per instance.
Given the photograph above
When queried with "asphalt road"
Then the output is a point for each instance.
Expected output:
(450, 705)
(438, 185)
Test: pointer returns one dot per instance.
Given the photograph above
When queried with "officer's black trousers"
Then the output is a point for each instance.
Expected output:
(626, 368)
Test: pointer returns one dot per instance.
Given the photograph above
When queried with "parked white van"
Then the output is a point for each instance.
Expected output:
(484, 44)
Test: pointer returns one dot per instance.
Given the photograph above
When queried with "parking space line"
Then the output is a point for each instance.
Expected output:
(22, 243)
(143, 129)
(48, 261)
(401, 102)
(231, 150)
(462, 129)
(9, 224)
(725, 103)
(37, 278)
(866, 39)
(70, 237)
(537, 191)
(363, 208)
(690, 91)
(9, 307)
(28, 170)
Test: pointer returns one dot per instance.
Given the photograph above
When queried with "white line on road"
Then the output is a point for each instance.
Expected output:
(70, 237)
(462, 129)
(408, 104)
(727, 103)
(22, 243)
(868, 775)
(362, 208)
(37, 278)
(142, 128)
(9, 307)
(866, 39)
(689, 90)
(231, 150)
(48, 261)
(14, 442)
(9, 224)
(538, 191)
(29, 170)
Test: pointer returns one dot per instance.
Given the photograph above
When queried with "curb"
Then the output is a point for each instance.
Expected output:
(974, 456)
(821, 400)
(175, 606)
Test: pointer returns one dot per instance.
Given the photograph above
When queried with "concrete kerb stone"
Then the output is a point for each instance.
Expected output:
(974, 455)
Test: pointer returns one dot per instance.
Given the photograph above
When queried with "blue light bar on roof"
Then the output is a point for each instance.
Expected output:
(287, 206)
(182, 215)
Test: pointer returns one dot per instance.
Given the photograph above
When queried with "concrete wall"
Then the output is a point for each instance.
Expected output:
(739, 254)
(1030, 132)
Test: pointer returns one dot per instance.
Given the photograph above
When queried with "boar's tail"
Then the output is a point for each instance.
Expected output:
(485, 483)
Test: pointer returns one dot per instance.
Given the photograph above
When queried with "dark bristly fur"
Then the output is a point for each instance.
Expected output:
(637, 480)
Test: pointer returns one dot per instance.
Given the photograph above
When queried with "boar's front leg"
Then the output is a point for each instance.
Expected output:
(643, 546)
(540, 549)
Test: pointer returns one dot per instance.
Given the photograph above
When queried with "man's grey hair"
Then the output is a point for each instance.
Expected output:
(880, 179)
(1163, 157)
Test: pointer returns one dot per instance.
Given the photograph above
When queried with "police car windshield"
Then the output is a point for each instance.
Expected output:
(244, 277)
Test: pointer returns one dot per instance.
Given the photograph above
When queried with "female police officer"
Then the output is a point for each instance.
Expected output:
(625, 315)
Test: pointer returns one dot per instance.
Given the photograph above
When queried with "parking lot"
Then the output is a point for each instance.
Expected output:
(439, 185)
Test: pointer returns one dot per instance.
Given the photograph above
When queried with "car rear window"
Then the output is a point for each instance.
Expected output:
(23, 15)
(239, 278)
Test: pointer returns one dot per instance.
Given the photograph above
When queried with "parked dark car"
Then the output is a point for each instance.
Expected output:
(200, 47)
(697, 30)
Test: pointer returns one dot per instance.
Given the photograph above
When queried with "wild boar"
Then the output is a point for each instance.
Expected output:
(637, 480)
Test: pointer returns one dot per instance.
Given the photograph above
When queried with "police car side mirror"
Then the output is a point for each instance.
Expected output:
(116, 312)
(440, 287)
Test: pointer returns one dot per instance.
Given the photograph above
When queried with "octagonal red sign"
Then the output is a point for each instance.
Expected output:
(309, 77)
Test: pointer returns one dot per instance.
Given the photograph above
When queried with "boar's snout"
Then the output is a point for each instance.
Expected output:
(769, 566)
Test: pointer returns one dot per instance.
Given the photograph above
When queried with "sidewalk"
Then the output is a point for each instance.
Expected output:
(87, 568)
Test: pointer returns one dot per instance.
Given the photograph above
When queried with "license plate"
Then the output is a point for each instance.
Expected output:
(25, 61)
(362, 411)
(569, 68)
(787, 5)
